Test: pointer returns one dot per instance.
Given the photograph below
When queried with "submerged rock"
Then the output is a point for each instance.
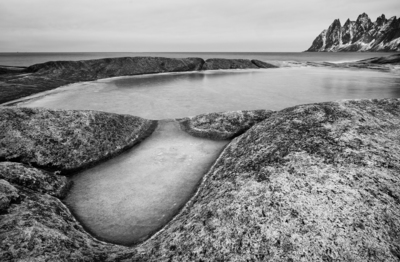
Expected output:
(221, 63)
(67, 140)
(221, 126)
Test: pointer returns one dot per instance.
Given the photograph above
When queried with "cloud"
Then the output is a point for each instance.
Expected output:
(174, 25)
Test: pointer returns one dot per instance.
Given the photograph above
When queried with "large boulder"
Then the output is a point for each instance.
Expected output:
(316, 182)
(67, 140)
(225, 125)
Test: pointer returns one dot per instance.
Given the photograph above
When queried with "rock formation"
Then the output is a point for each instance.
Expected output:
(359, 35)
(384, 64)
(66, 140)
(225, 125)
(17, 82)
(316, 182)
(222, 63)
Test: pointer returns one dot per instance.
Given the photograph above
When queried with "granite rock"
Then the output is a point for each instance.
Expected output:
(8, 194)
(34, 179)
(316, 182)
(221, 126)
(66, 140)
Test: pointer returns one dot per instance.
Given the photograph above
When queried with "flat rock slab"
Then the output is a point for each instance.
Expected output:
(66, 140)
(129, 197)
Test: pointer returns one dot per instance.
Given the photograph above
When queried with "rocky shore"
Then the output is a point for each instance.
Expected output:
(315, 182)
(20, 82)
(384, 64)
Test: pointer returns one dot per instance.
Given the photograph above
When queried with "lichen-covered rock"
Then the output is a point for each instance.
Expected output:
(222, 63)
(8, 193)
(316, 182)
(262, 64)
(34, 179)
(221, 126)
(41, 228)
(67, 140)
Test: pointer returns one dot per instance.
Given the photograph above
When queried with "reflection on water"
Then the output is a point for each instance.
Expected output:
(182, 94)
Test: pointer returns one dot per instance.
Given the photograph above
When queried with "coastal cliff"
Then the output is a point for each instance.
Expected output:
(310, 182)
(20, 82)
(359, 35)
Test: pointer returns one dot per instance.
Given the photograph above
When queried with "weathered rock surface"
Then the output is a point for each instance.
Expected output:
(317, 182)
(359, 35)
(39, 227)
(34, 179)
(66, 140)
(222, 126)
(221, 63)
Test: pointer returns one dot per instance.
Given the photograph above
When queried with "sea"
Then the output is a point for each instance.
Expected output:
(27, 59)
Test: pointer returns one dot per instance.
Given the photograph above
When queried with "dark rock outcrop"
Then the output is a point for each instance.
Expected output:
(20, 82)
(222, 126)
(315, 182)
(67, 140)
(262, 64)
(221, 63)
(359, 35)
(41, 77)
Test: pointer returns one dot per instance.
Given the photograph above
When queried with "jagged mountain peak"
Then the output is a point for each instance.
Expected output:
(360, 35)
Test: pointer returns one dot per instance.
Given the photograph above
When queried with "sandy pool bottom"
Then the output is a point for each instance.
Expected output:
(127, 198)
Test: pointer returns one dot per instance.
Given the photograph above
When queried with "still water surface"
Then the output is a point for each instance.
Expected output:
(177, 95)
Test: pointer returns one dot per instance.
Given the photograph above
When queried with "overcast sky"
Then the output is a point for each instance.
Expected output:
(175, 25)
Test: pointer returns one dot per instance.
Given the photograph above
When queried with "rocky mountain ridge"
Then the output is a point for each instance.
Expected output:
(359, 35)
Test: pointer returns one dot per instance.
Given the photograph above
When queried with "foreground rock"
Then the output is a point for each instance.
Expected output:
(221, 126)
(67, 140)
(316, 182)
(36, 226)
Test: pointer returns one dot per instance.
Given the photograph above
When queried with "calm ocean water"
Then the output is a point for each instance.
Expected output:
(27, 59)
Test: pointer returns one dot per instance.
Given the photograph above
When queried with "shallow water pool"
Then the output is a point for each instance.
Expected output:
(164, 96)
